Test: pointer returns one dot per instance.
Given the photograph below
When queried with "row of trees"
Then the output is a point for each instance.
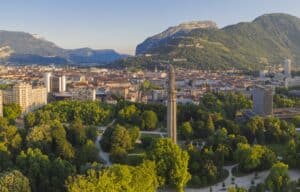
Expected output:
(116, 178)
(254, 158)
(88, 112)
(268, 130)
(228, 104)
(283, 98)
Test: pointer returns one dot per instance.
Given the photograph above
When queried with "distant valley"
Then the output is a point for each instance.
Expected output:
(25, 48)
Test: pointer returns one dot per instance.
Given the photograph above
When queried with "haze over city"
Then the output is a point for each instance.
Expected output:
(121, 25)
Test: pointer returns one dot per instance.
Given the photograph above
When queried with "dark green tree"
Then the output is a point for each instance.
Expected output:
(59, 171)
(35, 165)
(87, 153)
(77, 133)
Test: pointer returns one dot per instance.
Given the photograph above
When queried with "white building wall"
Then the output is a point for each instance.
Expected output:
(47, 81)
(63, 83)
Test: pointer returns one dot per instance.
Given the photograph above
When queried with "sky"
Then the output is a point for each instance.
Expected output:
(122, 24)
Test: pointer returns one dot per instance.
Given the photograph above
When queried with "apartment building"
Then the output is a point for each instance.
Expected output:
(28, 97)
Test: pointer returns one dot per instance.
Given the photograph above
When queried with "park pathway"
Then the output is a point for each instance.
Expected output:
(244, 181)
(102, 154)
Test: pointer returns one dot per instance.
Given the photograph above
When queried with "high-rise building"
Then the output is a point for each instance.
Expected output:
(1, 104)
(47, 81)
(38, 97)
(54, 83)
(22, 95)
(287, 67)
(171, 109)
(26, 96)
(263, 100)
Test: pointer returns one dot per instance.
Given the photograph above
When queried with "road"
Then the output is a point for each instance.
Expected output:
(102, 154)
(162, 134)
(244, 181)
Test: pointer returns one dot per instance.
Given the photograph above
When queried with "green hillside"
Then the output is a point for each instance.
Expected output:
(265, 41)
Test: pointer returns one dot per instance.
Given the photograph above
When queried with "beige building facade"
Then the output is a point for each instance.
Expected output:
(28, 97)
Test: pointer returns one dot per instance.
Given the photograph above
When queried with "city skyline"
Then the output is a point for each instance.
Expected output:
(122, 25)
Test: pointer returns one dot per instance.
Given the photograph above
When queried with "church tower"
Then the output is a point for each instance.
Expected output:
(171, 113)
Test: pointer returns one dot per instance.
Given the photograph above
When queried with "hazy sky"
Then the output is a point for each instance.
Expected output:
(122, 24)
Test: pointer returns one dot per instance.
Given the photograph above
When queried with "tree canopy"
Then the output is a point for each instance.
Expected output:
(117, 178)
(172, 163)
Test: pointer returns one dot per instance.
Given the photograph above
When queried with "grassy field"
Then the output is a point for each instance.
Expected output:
(135, 159)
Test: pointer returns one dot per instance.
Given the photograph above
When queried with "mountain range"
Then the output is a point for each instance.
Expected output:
(264, 42)
(25, 48)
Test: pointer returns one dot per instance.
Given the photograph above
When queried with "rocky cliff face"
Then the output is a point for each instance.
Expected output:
(172, 32)
(266, 41)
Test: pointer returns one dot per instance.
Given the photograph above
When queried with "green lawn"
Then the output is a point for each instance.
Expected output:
(135, 159)
(150, 135)
(279, 149)
(298, 134)
(138, 148)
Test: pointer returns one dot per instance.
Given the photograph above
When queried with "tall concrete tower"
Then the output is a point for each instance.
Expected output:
(171, 113)
(287, 67)
(263, 100)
